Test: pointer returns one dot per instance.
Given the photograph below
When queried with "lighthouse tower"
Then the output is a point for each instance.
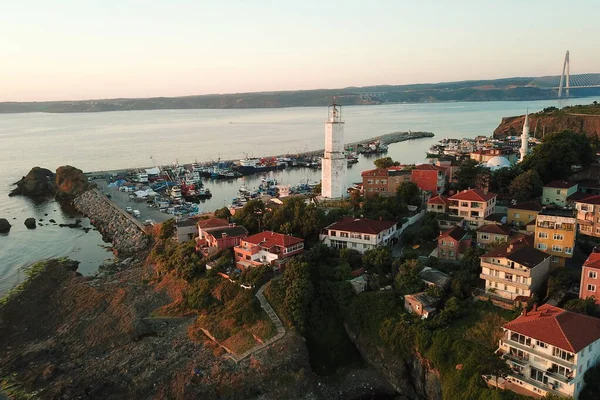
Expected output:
(525, 138)
(334, 161)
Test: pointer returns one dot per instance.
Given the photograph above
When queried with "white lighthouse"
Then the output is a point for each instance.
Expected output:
(334, 161)
(525, 138)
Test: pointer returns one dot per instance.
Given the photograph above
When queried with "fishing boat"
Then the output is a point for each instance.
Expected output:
(249, 166)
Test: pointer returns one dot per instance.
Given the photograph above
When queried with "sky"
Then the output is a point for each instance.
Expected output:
(83, 49)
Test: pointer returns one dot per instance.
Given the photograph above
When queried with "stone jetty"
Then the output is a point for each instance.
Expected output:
(123, 230)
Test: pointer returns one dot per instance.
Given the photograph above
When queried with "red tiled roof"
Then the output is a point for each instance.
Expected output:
(494, 228)
(560, 184)
(457, 233)
(564, 329)
(268, 239)
(593, 261)
(212, 223)
(473, 195)
(585, 198)
(375, 172)
(533, 205)
(361, 225)
(429, 167)
(438, 200)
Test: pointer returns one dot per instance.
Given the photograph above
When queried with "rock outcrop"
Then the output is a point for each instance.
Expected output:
(30, 223)
(38, 182)
(541, 123)
(71, 182)
(412, 378)
(4, 225)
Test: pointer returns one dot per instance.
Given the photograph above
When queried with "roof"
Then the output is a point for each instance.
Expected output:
(429, 167)
(229, 231)
(186, 222)
(496, 217)
(519, 251)
(438, 200)
(212, 223)
(558, 212)
(593, 261)
(434, 276)
(269, 238)
(457, 233)
(560, 184)
(473, 195)
(557, 327)
(533, 205)
(375, 172)
(587, 199)
(494, 228)
(361, 225)
(423, 298)
(448, 217)
(579, 197)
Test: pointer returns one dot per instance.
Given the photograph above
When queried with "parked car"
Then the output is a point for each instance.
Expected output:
(129, 209)
(136, 213)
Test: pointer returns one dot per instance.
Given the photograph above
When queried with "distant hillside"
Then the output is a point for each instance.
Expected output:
(580, 118)
(481, 90)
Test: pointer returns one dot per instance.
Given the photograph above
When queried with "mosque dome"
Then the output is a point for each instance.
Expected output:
(498, 162)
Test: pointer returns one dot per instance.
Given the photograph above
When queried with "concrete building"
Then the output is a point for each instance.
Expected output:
(492, 234)
(549, 352)
(435, 277)
(520, 214)
(448, 221)
(438, 204)
(360, 234)
(384, 182)
(452, 244)
(590, 278)
(186, 229)
(473, 205)
(420, 304)
(555, 230)
(212, 240)
(334, 160)
(430, 178)
(266, 248)
(557, 192)
(485, 155)
(588, 216)
(524, 138)
(515, 269)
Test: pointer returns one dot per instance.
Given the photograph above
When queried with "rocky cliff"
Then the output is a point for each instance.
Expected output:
(412, 378)
(66, 183)
(548, 123)
(37, 182)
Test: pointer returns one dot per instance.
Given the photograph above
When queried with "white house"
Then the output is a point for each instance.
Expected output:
(549, 350)
(360, 234)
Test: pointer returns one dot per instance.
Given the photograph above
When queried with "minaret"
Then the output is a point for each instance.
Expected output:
(334, 161)
(525, 138)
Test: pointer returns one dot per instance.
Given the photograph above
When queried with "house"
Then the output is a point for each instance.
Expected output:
(556, 192)
(485, 155)
(212, 240)
(266, 248)
(555, 234)
(453, 243)
(549, 352)
(438, 204)
(450, 165)
(420, 304)
(435, 277)
(515, 269)
(359, 284)
(384, 182)
(492, 234)
(186, 229)
(429, 178)
(590, 278)
(521, 214)
(473, 205)
(448, 221)
(588, 215)
(360, 234)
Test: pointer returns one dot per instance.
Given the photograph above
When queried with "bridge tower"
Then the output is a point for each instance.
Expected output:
(334, 161)
(562, 77)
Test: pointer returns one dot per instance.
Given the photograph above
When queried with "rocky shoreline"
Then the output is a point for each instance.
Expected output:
(126, 234)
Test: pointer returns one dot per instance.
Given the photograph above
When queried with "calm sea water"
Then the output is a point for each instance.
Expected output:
(113, 140)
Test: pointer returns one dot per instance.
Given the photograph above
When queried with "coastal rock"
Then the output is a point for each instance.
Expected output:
(52, 221)
(544, 123)
(30, 223)
(70, 182)
(38, 182)
(4, 225)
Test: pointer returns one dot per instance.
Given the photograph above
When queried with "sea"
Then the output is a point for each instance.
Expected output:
(128, 139)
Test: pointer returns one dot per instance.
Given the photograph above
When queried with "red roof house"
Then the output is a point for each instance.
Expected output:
(453, 243)
(266, 248)
(590, 278)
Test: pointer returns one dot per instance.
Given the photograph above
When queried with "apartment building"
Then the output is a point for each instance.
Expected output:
(360, 234)
(590, 278)
(588, 216)
(491, 234)
(557, 192)
(554, 234)
(515, 269)
(430, 178)
(384, 182)
(520, 214)
(266, 248)
(473, 205)
(548, 351)
(452, 244)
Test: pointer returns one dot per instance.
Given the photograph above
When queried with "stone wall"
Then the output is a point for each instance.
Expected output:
(123, 230)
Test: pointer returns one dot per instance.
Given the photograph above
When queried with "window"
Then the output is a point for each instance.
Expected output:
(557, 191)
(451, 243)
(377, 181)
(508, 277)
(464, 204)
(554, 260)
(332, 233)
(356, 236)
(591, 288)
(590, 347)
(451, 253)
(558, 236)
(247, 257)
(367, 237)
(538, 375)
(370, 181)
(557, 248)
(541, 344)
(542, 246)
(338, 244)
(522, 339)
(485, 236)
(344, 234)
(525, 281)
(568, 250)
(496, 272)
(353, 244)
(563, 354)
(384, 181)
(543, 235)
(592, 274)
(443, 242)
(517, 215)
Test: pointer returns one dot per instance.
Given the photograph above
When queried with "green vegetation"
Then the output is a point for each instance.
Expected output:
(409, 193)
(591, 390)
(223, 213)
(585, 306)
(385, 162)
(11, 388)
(526, 186)
(30, 273)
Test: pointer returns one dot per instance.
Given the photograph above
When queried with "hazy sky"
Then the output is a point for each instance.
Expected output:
(83, 49)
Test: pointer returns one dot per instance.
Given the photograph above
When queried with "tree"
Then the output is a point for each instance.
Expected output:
(251, 216)
(407, 279)
(298, 292)
(469, 174)
(558, 153)
(526, 186)
(591, 390)
(223, 213)
(385, 162)
(585, 306)
(378, 259)
(409, 193)
(430, 227)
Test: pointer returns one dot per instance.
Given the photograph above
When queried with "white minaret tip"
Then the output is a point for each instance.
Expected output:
(525, 137)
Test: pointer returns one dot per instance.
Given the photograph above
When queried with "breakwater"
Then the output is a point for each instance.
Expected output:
(123, 230)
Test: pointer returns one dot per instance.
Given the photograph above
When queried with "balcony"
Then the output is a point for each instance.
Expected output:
(504, 281)
(533, 350)
(525, 272)
(559, 377)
